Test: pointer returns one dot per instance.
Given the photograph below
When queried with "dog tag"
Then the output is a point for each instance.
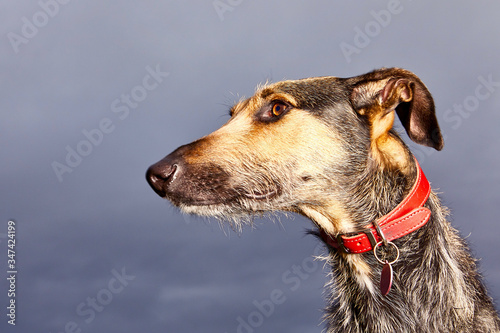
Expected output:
(386, 278)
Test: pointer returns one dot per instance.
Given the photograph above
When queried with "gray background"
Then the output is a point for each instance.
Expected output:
(67, 73)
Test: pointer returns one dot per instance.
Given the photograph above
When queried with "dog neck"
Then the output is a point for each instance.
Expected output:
(435, 281)
(409, 215)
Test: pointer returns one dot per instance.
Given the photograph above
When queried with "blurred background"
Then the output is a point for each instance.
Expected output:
(94, 92)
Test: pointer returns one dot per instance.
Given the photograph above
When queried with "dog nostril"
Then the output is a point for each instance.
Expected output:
(171, 176)
(160, 175)
(163, 173)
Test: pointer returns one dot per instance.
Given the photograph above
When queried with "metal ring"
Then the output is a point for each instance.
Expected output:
(388, 243)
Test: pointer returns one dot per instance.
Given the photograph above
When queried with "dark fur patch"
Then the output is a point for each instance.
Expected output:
(334, 158)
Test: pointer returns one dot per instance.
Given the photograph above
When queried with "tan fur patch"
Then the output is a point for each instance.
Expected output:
(299, 144)
(362, 271)
(386, 150)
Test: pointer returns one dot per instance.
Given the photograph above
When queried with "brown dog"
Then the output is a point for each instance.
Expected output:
(324, 148)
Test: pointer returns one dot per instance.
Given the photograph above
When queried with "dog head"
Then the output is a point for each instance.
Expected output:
(302, 146)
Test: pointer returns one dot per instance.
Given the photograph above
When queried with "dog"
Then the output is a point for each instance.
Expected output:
(325, 148)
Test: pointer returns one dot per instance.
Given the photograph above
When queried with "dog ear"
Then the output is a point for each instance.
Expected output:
(379, 93)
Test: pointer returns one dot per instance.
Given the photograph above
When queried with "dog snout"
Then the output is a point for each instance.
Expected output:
(161, 174)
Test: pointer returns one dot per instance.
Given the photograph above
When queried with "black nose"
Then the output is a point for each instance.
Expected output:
(161, 174)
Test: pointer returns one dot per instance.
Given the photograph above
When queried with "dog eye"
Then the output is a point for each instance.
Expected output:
(278, 109)
(272, 112)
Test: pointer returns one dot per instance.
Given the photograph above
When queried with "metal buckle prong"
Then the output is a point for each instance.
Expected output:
(340, 242)
(371, 237)
(380, 233)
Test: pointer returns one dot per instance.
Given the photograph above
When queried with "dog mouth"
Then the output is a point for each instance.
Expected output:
(261, 195)
(217, 200)
(242, 204)
(254, 195)
(220, 197)
(209, 185)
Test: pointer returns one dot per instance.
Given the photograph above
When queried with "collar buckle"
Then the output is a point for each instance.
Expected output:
(408, 216)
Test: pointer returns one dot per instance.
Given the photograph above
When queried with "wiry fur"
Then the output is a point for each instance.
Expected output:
(436, 286)
(333, 157)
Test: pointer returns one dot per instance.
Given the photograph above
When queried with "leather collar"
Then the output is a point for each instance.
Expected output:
(408, 216)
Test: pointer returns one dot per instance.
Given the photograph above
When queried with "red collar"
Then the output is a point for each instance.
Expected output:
(407, 217)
